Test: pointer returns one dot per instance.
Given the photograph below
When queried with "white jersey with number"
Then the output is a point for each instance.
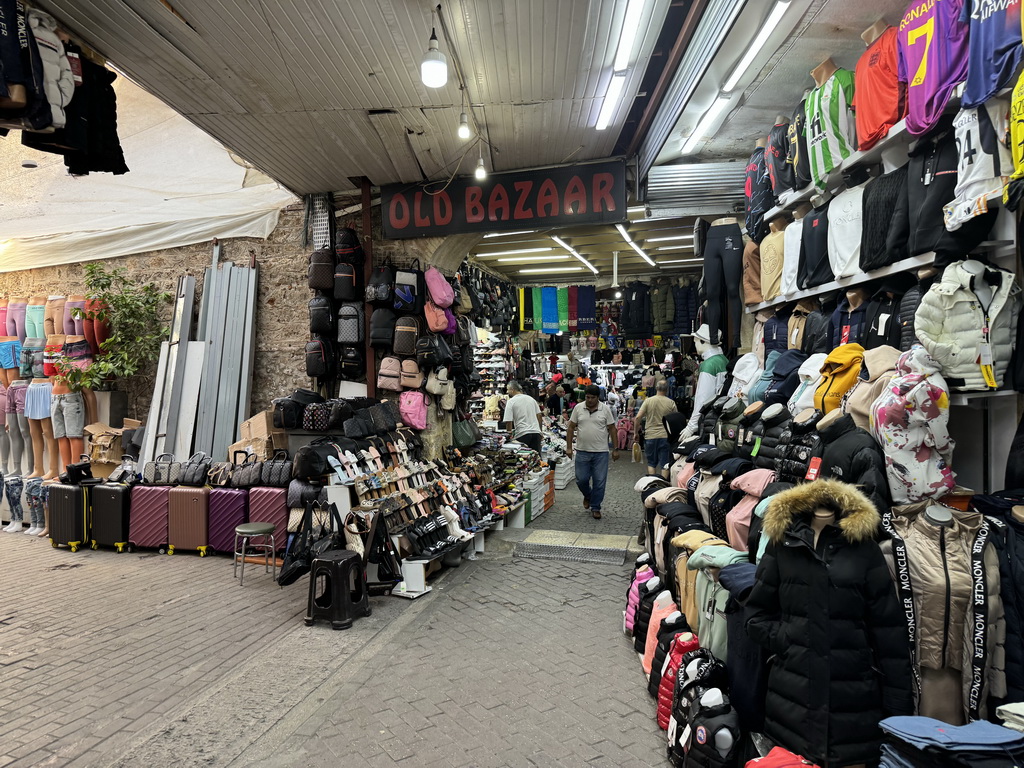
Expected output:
(983, 160)
(831, 133)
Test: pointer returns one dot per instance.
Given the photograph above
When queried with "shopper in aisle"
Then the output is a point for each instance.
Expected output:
(595, 425)
(557, 403)
(651, 416)
(522, 416)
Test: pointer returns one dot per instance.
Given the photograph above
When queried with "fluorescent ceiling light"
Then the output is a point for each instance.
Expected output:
(757, 44)
(549, 257)
(635, 208)
(666, 239)
(572, 250)
(509, 234)
(513, 253)
(634, 246)
(549, 269)
(704, 125)
(627, 35)
(679, 247)
(680, 261)
(611, 100)
(434, 67)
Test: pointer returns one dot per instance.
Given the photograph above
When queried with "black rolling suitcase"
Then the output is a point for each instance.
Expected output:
(69, 516)
(110, 505)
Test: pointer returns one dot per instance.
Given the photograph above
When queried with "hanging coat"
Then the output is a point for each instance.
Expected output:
(876, 371)
(828, 613)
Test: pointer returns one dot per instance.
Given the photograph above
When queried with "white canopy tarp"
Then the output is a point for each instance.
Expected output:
(183, 188)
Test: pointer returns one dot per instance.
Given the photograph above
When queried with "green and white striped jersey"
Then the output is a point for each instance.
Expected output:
(831, 135)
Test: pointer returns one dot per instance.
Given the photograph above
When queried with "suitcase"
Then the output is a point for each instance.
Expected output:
(229, 508)
(270, 505)
(147, 523)
(188, 513)
(110, 504)
(69, 513)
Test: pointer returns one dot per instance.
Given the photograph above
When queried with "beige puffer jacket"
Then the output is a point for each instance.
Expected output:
(879, 365)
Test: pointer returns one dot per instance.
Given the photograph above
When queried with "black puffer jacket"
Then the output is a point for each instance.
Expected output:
(770, 432)
(816, 336)
(648, 593)
(685, 298)
(852, 455)
(744, 439)
(828, 613)
(797, 446)
(637, 319)
(908, 308)
(709, 418)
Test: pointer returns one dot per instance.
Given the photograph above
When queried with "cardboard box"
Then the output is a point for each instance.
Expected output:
(260, 425)
(262, 447)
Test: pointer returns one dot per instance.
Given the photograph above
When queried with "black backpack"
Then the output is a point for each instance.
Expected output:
(320, 362)
(407, 333)
(321, 315)
(463, 331)
(432, 351)
(382, 327)
(321, 270)
(351, 365)
(288, 410)
(381, 288)
(348, 284)
(410, 289)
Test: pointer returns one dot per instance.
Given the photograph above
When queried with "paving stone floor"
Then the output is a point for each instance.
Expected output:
(140, 659)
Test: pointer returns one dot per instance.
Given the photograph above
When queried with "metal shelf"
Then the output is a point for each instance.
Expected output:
(979, 399)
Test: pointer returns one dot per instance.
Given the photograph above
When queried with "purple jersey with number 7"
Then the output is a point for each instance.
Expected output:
(932, 59)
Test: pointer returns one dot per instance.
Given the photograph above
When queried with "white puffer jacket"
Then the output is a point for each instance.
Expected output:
(59, 82)
(950, 324)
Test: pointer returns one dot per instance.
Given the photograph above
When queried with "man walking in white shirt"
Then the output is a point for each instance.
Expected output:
(593, 426)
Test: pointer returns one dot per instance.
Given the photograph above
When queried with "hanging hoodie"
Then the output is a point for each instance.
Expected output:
(809, 377)
(847, 326)
(882, 321)
(839, 374)
(744, 373)
(816, 329)
(910, 421)
(737, 521)
(785, 377)
(758, 388)
(955, 327)
(877, 368)
(798, 321)
(852, 455)
(59, 83)
(712, 627)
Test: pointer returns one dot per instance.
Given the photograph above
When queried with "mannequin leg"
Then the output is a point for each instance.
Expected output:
(35, 427)
(91, 409)
(13, 487)
(52, 452)
(17, 443)
(26, 438)
(5, 445)
(77, 449)
(64, 444)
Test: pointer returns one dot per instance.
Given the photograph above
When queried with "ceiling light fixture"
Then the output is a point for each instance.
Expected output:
(757, 44)
(634, 246)
(627, 35)
(549, 269)
(679, 247)
(463, 126)
(549, 257)
(573, 251)
(704, 124)
(611, 100)
(509, 234)
(481, 171)
(434, 66)
(666, 239)
(680, 261)
(513, 253)
(618, 294)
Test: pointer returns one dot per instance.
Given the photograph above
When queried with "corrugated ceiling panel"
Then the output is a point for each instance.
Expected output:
(393, 133)
(698, 185)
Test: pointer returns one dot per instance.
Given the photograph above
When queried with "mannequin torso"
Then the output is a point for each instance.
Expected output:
(824, 71)
(981, 288)
(874, 32)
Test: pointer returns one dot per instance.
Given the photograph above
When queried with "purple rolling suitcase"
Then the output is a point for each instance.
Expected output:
(229, 508)
(147, 523)
(270, 505)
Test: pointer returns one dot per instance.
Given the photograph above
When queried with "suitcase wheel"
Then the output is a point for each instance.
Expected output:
(74, 546)
(203, 551)
(121, 547)
(53, 543)
(95, 545)
(170, 550)
(163, 549)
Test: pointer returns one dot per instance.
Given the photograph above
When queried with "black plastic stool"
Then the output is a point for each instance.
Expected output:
(337, 589)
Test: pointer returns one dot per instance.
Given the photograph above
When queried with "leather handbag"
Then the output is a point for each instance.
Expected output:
(246, 474)
(276, 472)
(465, 432)
(194, 472)
(163, 470)
(125, 473)
(219, 475)
(76, 473)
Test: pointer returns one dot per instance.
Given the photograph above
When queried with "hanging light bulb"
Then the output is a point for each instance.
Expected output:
(434, 67)
(481, 171)
(463, 126)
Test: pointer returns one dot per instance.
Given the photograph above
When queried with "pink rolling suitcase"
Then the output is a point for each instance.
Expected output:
(229, 508)
(147, 522)
(270, 505)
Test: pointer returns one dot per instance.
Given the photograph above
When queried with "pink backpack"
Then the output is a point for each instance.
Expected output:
(633, 599)
(412, 405)
(440, 290)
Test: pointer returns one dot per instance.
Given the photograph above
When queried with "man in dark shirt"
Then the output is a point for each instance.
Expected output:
(557, 403)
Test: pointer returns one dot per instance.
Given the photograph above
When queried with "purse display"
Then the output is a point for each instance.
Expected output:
(247, 474)
(219, 475)
(194, 471)
(276, 472)
(163, 470)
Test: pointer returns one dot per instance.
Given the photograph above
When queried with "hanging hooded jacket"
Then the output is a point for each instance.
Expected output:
(58, 81)
(688, 543)
(953, 325)
(876, 370)
(828, 612)
(838, 375)
(785, 377)
(809, 373)
(712, 627)
(798, 322)
(737, 521)
(948, 577)
(744, 373)
(776, 331)
(910, 419)
(848, 326)
(663, 306)
(883, 314)
(757, 390)
(850, 454)
(816, 335)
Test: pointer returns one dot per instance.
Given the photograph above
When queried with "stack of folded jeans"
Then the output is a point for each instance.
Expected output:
(922, 742)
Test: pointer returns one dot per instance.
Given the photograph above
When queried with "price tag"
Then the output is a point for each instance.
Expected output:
(813, 469)
(846, 334)
(985, 355)
(757, 447)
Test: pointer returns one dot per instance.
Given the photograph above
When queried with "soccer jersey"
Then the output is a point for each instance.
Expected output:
(983, 161)
(1017, 129)
(878, 102)
(758, 193)
(994, 47)
(844, 232)
(779, 170)
(932, 59)
(830, 128)
(796, 156)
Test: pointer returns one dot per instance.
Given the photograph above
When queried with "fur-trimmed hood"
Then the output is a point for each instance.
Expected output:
(858, 519)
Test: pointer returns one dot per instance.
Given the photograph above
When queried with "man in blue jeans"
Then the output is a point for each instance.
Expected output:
(592, 424)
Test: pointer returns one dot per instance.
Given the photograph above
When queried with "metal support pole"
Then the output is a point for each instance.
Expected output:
(371, 358)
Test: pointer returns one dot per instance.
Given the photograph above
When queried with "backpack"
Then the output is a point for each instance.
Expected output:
(347, 285)
(464, 302)
(436, 320)
(412, 377)
(412, 404)
(432, 351)
(288, 411)
(407, 331)
(321, 315)
(382, 327)
(389, 375)
(439, 288)
(321, 270)
(409, 289)
(351, 323)
(320, 362)
(348, 248)
(381, 288)
(463, 331)
(350, 363)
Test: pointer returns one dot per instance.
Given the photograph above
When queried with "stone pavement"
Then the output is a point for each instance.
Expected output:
(131, 659)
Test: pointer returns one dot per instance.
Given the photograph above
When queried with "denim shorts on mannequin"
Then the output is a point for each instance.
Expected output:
(67, 413)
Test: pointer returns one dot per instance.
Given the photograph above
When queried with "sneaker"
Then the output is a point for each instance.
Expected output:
(586, 503)
(13, 527)
(32, 531)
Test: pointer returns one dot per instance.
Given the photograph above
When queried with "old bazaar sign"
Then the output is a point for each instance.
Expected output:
(556, 197)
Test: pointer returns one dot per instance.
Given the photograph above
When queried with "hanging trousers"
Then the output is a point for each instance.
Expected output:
(723, 277)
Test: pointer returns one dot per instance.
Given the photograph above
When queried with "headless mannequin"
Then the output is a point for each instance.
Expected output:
(70, 447)
(18, 300)
(20, 434)
(981, 288)
(761, 143)
(88, 396)
(42, 435)
(772, 411)
(781, 120)
(801, 210)
(723, 739)
(824, 71)
(753, 409)
(936, 514)
(1018, 513)
(820, 520)
(856, 297)
(828, 419)
(874, 32)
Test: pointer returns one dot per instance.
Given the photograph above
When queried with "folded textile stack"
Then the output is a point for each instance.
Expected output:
(922, 742)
